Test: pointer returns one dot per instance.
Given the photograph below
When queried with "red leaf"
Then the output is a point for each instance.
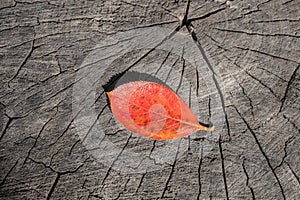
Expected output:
(152, 110)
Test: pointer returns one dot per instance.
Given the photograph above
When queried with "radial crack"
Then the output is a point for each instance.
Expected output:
(223, 168)
(193, 35)
(23, 62)
(249, 99)
(140, 183)
(53, 186)
(197, 84)
(283, 99)
(115, 160)
(259, 34)
(261, 150)
(172, 172)
(185, 17)
(8, 173)
(207, 14)
(166, 58)
(171, 69)
(267, 54)
(199, 175)
(263, 84)
(182, 72)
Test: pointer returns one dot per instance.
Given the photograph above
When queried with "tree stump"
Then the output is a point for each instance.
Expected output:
(235, 63)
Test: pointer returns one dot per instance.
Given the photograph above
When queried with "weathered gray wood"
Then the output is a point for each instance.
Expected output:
(252, 46)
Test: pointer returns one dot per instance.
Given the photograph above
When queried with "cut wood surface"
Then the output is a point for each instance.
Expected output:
(235, 63)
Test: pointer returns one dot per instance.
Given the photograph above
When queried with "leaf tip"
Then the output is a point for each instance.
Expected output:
(206, 127)
(213, 128)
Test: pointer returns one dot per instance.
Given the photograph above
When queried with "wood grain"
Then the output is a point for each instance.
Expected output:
(249, 49)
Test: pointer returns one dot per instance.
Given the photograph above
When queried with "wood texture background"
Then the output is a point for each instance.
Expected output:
(253, 44)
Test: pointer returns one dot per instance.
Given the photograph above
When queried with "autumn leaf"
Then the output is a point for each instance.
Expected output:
(152, 110)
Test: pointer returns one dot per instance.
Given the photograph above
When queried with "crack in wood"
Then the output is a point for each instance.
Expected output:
(172, 171)
(45, 22)
(8, 173)
(277, 20)
(259, 34)
(293, 123)
(283, 99)
(289, 1)
(39, 134)
(182, 72)
(197, 81)
(184, 20)
(50, 97)
(168, 75)
(92, 126)
(58, 174)
(223, 168)
(287, 142)
(206, 15)
(122, 192)
(267, 54)
(194, 37)
(53, 186)
(115, 160)
(67, 128)
(276, 75)
(140, 182)
(190, 105)
(199, 174)
(249, 99)
(263, 84)
(293, 172)
(247, 181)
(32, 47)
(163, 62)
(10, 120)
(262, 151)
